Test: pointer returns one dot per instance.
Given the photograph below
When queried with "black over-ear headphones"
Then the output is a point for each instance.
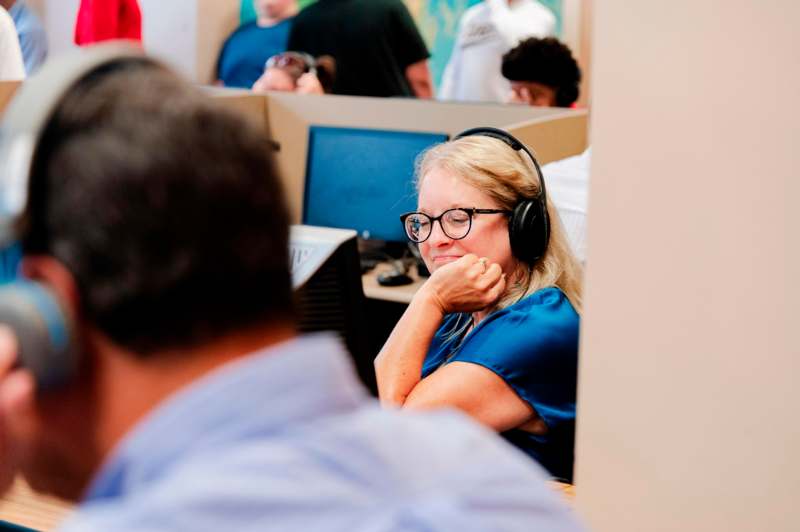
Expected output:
(44, 331)
(529, 225)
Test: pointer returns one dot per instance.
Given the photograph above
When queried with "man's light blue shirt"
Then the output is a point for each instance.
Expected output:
(32, 37)
(287, 439)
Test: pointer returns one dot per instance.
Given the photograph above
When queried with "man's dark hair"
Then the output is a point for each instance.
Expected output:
(166, 208)
(546, 61)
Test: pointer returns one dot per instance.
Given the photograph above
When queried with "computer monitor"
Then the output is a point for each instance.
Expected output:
(326, 277)
(362, 179)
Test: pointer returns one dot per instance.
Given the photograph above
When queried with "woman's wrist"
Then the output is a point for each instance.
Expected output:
(428, 297)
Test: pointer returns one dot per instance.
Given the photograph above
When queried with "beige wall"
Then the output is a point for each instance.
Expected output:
(217, 19)
(576, 33)
(554, 137)
(688, 396)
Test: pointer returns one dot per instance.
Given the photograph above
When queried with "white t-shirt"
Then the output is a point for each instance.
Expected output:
(11, 66)
(568, 186)
(487, 31)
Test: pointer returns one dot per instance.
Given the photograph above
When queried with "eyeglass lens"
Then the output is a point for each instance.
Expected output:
(455, 224)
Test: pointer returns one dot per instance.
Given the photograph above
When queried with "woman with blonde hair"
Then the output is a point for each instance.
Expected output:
(494, 331)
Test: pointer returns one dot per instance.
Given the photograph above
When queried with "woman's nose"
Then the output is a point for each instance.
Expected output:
(438, 238)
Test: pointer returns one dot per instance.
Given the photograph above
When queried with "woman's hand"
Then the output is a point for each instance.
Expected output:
(308, 83)
(469, 284)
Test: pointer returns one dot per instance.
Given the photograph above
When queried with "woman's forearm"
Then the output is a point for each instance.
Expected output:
(398, 367)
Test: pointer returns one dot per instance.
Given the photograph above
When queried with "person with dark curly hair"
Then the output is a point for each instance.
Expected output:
(542, 73)
(486, 31)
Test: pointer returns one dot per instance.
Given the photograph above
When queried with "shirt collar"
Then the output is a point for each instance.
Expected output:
(266, 391)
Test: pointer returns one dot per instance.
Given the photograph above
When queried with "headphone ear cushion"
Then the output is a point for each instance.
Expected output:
(528, 231)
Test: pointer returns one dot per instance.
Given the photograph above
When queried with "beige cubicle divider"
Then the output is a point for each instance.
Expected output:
(7, 90)
(216, 20)
(554, 137)
(289, 117)
(246, 103)
(688, 394)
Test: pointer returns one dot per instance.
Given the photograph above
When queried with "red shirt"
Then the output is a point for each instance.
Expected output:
(103, 20)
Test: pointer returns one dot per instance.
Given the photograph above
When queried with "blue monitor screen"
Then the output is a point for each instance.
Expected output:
(362, 179)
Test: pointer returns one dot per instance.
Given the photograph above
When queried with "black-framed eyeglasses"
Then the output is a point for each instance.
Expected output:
(455, 223)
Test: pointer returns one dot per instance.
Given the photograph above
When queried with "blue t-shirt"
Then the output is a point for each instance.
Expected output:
(533, 346)
(243, 55)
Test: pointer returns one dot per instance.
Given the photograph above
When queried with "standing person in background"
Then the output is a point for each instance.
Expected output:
(487, 31)
(11, 65)
(376, 45)
(32, 38)
(241, 61)
(542, 73)
(106, 20)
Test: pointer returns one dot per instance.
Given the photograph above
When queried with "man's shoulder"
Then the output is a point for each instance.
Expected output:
(367, 466)
(536, 10)
(311, 13)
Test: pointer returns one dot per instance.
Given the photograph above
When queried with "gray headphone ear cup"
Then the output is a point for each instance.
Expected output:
(528, 231)
(44, 332)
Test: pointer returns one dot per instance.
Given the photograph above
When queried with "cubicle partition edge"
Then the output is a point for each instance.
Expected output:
(560, 132)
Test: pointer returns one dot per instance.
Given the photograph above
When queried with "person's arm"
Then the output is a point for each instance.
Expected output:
(398, 367)
(473, 389)
(409, 49)
(309, 83)
(419, 77)
(461, 286)
(447, 88)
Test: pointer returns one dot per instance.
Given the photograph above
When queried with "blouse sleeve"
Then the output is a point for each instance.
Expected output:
(533, 347)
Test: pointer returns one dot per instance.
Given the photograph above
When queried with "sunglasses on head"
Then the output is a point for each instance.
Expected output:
(297, 63)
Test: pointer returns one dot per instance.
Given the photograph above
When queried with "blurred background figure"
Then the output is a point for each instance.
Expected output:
(297, 72)
(543, 73)
(568, 187)
(11, 65)
(32, 37)
(487, 31)
(106, 20)
(376, 45)
(241, 61)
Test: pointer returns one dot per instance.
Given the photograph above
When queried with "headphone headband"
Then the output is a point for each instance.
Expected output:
(515, 144)
(29, 113)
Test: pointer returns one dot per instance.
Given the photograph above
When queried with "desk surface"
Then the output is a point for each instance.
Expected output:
(398, 294)
(22, 506)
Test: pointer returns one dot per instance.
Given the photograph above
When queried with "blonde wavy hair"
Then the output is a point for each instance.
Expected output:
(510, 177)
